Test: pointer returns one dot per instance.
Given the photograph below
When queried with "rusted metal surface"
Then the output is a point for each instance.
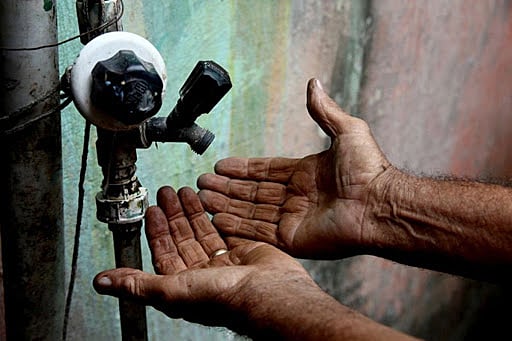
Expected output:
(31, 214)
(122, 203)
(127, 249)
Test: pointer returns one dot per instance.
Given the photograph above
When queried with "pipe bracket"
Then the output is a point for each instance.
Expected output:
(126, 210)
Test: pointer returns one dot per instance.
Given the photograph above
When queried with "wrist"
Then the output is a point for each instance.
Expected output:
(285, 309)
(297, 309)
(456, 226)
(386, 194)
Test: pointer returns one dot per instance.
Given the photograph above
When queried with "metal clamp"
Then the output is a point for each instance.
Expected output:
(126, 210)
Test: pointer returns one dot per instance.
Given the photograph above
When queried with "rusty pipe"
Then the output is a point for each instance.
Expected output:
(31, 214)
(121, 204)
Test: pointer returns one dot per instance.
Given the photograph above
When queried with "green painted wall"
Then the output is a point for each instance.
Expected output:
(367, 54)
(270, 49)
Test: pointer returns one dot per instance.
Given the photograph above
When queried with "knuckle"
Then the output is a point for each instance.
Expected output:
(131, 285)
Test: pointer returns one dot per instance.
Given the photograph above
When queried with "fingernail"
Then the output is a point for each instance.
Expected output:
(105, 281)
(317, 82)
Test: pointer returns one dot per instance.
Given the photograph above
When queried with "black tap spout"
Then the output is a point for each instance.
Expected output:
(157, 130)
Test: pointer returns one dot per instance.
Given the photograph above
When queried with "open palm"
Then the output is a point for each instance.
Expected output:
(311, 207)
(193, 281)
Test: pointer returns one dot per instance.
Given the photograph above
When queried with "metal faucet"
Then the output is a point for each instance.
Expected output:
(118, 84)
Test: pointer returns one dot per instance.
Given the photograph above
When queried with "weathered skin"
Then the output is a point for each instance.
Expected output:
(347, 200)
(252, 288)
(350, 200)
(299, 204)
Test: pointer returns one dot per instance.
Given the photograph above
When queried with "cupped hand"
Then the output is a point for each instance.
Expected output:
(312, 207)
(194, 283)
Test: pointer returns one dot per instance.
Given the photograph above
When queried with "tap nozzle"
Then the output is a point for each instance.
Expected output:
(156, 130)
(204, 88)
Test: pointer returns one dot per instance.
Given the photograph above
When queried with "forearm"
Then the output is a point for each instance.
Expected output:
(454, 226)
(300, 312)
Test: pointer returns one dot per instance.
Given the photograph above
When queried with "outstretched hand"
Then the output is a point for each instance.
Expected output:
(194, 283)
(250, 287)
(312, 207)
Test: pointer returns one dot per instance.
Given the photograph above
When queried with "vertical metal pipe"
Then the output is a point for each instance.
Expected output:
(128, 254)
(31, 215)
(117, 157)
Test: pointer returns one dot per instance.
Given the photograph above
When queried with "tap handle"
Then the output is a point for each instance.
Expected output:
(204, 88)
(127, 87)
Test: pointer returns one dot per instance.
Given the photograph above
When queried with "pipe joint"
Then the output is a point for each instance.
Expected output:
(125, 209)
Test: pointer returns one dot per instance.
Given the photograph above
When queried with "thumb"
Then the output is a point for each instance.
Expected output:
(168, 293)
(129, 283)
(322, 108)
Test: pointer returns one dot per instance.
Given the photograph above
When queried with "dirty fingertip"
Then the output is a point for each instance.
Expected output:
(202, 180)
(104, 282)
(318, 84)
(314, 84)
(219, 165)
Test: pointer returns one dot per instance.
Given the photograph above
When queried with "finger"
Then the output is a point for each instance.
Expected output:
(234, 242)
(204, 231)
(246, 228)
(215, 202)
(164, 253)
(163, 292)
(182, 234)
(257, 169)
(257, 192)
(129, 283)
(172, 294)
(326, 113)
(245, 252)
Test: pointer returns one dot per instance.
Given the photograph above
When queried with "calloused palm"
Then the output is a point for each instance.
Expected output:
(252, 287)
(312, 207)
(191, 282)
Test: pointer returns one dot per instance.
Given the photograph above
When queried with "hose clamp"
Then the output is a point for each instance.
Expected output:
(129, 209)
